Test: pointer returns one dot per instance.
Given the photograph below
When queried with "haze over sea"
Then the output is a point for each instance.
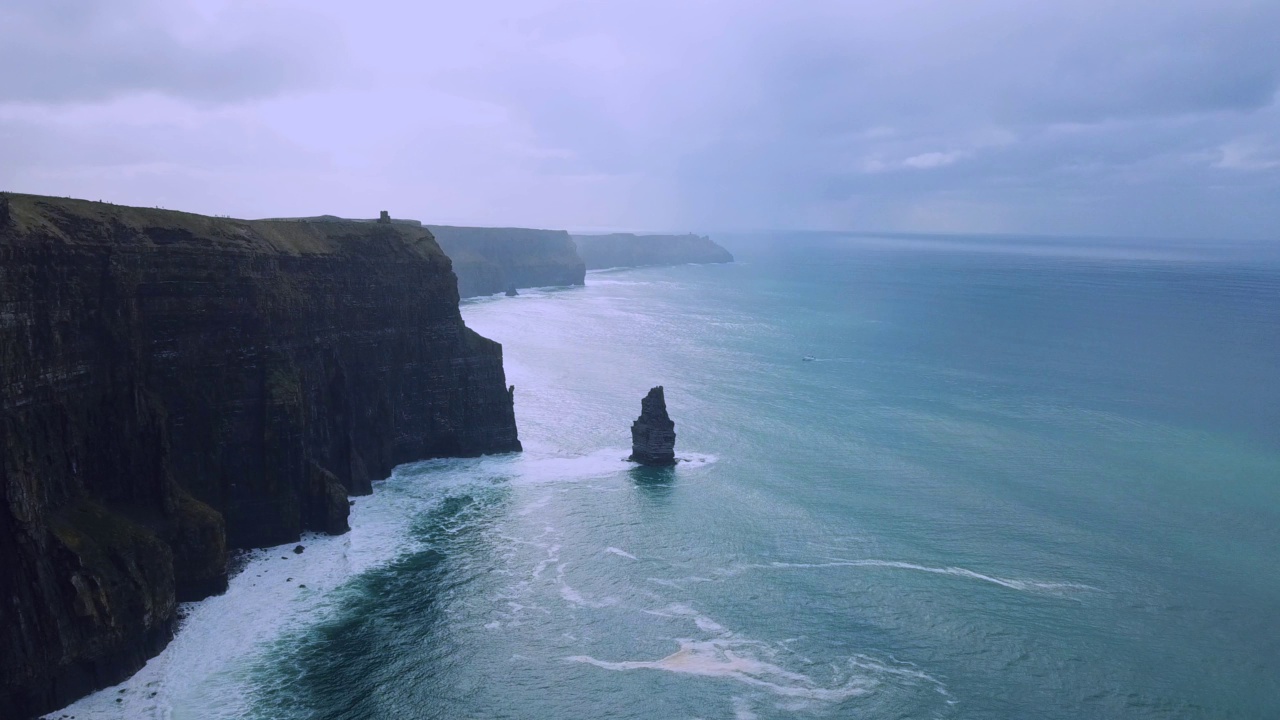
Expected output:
(1022, 478)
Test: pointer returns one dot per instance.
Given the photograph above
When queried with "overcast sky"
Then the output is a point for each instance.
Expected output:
(1118, 117)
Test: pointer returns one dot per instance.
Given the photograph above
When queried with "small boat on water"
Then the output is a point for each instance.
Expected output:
(808, 358)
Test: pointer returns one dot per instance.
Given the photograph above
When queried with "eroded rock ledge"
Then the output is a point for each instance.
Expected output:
(174, 385)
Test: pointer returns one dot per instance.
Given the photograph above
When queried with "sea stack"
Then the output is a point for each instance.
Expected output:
(653, 434)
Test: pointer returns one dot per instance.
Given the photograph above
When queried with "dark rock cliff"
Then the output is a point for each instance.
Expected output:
(492, 260)
(174, 385)
(627, 250)
(653, 434)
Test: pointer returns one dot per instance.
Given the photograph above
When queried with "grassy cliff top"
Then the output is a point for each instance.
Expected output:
(40, 220)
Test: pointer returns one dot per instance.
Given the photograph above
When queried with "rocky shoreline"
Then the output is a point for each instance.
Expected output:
(176, 385)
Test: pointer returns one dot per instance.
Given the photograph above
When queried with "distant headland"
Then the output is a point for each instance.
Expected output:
(618, 250)
(489, 260)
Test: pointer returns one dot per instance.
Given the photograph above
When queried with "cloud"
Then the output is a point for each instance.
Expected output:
(1249, 154)
(924, 161)
(1153, 117)
(76, 51)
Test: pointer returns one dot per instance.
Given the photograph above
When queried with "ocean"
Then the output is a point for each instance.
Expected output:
(1020, 478)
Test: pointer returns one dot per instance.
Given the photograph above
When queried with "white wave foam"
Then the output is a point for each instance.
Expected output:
(539, 468)
(201, 672)
(703, 622)
(536, 505)
(1011, 583)
(620, 553)
(760, 665)
(576, 598)
(693, 459)
(900, 669)
(196, 674)
(737, 660)
(553, 556)
(679, 582)
(542, 466)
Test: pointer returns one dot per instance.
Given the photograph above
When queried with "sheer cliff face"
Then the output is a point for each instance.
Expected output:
(491, 260)
(627, 250)
(174, 385)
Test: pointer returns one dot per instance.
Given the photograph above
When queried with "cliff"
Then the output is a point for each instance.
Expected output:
(493, 260)
(174, 385)
(627, 250)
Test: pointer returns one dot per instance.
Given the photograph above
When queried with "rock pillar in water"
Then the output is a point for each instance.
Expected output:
(653, 434)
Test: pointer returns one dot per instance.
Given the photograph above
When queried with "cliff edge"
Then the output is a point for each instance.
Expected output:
(494, 260)
(175, 385)
(487, 261)
(628, 250)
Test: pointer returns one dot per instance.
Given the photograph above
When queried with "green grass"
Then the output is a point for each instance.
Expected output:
(85, 222)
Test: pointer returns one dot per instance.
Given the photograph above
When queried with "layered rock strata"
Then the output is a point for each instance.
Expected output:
(653, 434)
(494, 260)
(626, 250)
(175, 385)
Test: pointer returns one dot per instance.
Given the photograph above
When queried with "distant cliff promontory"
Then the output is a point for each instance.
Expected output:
(628, 250)
(493, 260)
(175, 385)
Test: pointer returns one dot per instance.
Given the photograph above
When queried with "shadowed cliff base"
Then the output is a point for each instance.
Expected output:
(175, 385)
(600, 252)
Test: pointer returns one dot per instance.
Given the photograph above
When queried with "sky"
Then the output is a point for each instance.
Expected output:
(1155, 118)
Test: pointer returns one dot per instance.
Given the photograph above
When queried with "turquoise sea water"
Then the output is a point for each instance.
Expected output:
(1024, 478)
